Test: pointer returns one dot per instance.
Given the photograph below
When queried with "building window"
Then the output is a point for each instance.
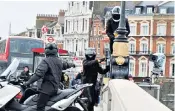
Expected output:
(149, 10)
(172, 29)
(132, 67)
(172, 69)
(98, 30)
(163, 11)
(66, 25)
(98, 47)
(133, 29)
(72, 3)
(83, 2)
(73, 24)
(95, 30)
(143, 68)
(84, 44)
(76, 46)
(69, 7)
(83, 25)
(77, 25)
(173, 49)
(144, 47)
(138, 11)
(161, 48)
(69, 26)
(161, 29)
(132, 47)
(144, 29)
(77, 6)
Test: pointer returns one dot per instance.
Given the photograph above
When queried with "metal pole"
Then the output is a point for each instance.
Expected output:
(120, 56)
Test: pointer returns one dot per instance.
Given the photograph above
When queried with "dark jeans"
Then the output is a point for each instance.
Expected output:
(42, 101)
(90, 94)
(111, 46)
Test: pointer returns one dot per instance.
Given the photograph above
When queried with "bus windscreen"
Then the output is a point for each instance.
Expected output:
(24, 46)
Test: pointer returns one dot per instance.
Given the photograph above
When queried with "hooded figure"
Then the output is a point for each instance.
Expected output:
(112, 25)
(50, 72)
(91, 68)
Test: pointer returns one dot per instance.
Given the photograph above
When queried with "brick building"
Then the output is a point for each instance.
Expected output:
(152, 26)
(102, 12)
(152, 30)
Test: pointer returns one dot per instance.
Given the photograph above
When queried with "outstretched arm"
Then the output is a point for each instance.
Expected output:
(89, 63)
(67, 65)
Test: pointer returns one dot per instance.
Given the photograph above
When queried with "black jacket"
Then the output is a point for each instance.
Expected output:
(91, 68)
(50, 72)
(110, 29)
(25, 75)
(112, 26)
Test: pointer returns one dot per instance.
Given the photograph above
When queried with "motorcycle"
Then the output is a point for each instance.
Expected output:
(63, 101)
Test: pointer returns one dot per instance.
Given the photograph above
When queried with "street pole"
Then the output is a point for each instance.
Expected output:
(120, 56)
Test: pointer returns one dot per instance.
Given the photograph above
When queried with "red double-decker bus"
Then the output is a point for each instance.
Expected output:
(20, 48)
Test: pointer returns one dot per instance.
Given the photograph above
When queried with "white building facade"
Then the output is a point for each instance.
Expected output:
(76, 27)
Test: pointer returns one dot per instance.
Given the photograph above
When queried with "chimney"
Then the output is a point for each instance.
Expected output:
(61, 13)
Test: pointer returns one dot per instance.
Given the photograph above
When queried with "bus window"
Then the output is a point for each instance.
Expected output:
(24, 45)
(13, 46)
(2, 46)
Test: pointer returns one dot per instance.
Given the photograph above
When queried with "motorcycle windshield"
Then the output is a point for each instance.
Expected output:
(11, 69)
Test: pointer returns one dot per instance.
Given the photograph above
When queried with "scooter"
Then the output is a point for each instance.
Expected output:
(63, 101)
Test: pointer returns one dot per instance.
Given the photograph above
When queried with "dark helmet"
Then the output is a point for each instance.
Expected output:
(90, 53)
(51, 49)
(116, 11)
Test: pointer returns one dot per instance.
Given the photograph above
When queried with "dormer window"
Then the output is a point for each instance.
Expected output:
(163, 11)
(138, 10)
(149, 10)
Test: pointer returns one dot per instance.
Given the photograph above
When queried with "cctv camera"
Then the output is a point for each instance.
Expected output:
(159, 62)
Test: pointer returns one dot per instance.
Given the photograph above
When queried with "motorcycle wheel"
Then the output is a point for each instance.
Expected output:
(72, 108)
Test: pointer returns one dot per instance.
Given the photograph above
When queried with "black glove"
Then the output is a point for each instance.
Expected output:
(112, 38)
(101, 60)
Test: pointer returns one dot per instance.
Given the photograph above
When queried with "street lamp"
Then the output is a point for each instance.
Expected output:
(120, 56)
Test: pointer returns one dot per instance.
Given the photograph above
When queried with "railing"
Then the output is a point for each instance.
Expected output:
(140, 52)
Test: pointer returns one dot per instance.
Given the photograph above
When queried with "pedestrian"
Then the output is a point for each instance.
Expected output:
(91, 68)
(50, 71)
(112, 25)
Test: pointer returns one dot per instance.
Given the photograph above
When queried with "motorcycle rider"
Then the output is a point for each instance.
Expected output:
(50, 71)
(91, 68)
(112, 25)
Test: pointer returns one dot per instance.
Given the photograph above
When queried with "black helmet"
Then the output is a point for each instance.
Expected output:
(51, 49)
(90, 53)
(116, 11)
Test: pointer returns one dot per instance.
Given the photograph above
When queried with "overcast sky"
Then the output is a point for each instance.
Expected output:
(22, 14)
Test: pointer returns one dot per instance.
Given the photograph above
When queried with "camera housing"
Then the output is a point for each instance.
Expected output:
(159, 63)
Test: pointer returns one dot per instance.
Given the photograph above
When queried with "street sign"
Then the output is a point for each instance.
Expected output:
(50, 39)
(44, 29)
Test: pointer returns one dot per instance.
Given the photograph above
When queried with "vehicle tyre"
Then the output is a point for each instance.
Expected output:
(72, 108)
